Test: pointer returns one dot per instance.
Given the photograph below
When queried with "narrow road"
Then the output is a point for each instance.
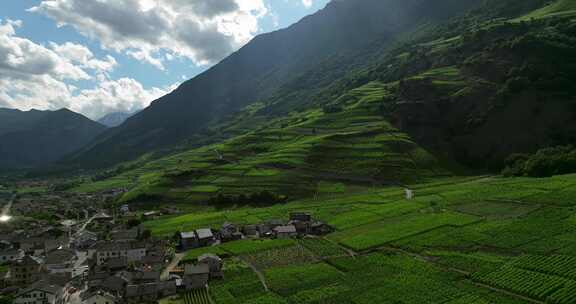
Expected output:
(258, 273)
(165, 275)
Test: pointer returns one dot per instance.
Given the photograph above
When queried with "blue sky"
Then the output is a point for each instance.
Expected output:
(101, 56)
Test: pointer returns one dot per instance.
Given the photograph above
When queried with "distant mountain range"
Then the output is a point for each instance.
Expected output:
(115, 119)
(35, 138)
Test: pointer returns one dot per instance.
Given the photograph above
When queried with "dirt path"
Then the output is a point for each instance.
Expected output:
(175, 261)
(259, 273)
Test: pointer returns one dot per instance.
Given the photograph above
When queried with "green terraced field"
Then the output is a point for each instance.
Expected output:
(511, 234)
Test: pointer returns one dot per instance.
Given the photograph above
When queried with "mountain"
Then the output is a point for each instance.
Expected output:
(455, 97)
(35, 138)
(115, 119)
(259, 70)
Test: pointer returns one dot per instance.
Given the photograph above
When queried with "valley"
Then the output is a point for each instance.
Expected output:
(422, 159)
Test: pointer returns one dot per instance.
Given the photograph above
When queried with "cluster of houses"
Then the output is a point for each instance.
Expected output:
(300, 224)
(122, 270)
(99, 259)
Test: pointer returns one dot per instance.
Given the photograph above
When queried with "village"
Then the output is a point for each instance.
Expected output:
(92, 252)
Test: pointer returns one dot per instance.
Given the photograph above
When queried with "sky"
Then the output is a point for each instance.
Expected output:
(102, 56)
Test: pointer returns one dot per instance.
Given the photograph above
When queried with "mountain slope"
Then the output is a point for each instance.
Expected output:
(36, 138)
(259, 69)
(114, 119)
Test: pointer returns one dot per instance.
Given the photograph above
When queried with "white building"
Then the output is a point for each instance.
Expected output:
(41, 293)
(133, 251)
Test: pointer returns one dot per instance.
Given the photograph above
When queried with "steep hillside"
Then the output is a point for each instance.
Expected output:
(322, 150)
(470, 92)
(36, 138)
(344, 30)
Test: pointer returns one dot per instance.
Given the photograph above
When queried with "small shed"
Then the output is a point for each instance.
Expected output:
(285, 232)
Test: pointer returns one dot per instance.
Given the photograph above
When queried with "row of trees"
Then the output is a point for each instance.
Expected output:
(544, 163)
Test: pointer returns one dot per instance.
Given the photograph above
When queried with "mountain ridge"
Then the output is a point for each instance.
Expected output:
(37, 138)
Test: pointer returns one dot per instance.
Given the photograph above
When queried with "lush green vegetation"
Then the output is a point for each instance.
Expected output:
(545, 162)
(417, 251)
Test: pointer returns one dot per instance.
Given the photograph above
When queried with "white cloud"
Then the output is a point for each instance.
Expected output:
(203, 30)
(307, 3)
(23, 59)
(42, 77)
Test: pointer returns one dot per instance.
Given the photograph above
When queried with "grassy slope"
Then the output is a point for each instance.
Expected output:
(298, 155)
(555, 8)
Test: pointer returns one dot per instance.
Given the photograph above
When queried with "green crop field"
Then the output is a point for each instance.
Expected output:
(516, 235)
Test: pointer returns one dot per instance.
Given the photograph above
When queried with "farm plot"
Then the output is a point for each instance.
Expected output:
(245, 247)
(323, 248)
(287, 281)
(559, 265)
(550, 288)
(284, 256)
(397, 278)
(240, 286)
(373, 235)
(197, 296)
(497, 210)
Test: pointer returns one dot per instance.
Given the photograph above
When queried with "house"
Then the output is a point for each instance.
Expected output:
(275, 223)
(85, 239)
(125, 235)
(285, 232)
(251, 231)
(188, 240)
(133, 251)
(116, 285)
(320, 228)
(116, 264)
(302, 227)
(229, 232)
(144, 293)
(205, 237)
(10, 255)
(145, 277)
(196, 239)
(196, 276)
(41, 293)
(152, 262)
(300, 216)
(99, 297)
(149, 292)
(26, 270)
(214, 263)
(60, 261)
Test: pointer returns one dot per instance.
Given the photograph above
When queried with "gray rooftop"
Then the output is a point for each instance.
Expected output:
(205, 233)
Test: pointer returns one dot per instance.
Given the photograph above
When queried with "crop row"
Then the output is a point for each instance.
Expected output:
(560, 265)
(197, 296)
(536, 285)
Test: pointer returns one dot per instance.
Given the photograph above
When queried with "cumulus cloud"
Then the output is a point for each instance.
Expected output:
(42, 77)
(204, 31)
